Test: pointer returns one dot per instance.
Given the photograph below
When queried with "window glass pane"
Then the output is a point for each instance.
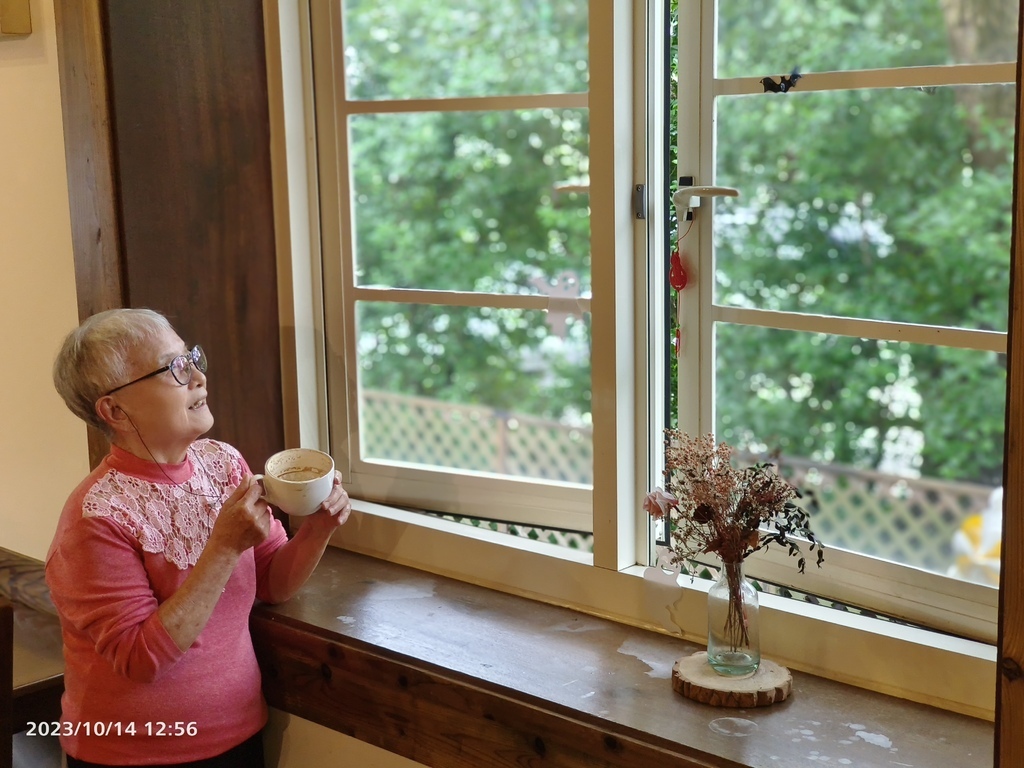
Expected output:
(901, 442)
(405, 49)
(481, 201)
(881, 204)
(766, 37)
(501, 391)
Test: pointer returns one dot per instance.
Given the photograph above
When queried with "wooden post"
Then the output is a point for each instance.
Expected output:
(89, 157)
(1009, 738)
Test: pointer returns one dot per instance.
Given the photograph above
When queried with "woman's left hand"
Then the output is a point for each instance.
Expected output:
(336, 508)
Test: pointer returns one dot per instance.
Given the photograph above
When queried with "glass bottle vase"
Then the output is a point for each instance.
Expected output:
(734, 637)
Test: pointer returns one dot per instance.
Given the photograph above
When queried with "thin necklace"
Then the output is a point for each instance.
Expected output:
(188, 452)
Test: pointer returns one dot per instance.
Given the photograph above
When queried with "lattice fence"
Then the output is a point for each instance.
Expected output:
(909, 520)
(422, 431)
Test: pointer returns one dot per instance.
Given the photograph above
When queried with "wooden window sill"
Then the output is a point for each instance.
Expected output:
(451, 674)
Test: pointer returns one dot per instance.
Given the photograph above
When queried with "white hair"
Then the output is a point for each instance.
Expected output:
(94, 357)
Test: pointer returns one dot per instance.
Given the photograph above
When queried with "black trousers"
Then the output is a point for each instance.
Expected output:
(248, 754)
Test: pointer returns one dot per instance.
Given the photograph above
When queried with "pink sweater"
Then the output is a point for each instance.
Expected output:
(126, 540)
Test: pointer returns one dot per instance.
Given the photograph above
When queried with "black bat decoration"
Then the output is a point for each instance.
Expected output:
(786, 83)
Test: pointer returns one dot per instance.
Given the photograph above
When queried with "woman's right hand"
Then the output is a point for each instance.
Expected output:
(244, 519)
(243, 522)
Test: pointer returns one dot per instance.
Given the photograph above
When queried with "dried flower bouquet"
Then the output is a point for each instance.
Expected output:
(711, 506)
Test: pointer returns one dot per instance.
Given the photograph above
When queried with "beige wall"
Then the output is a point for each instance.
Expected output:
(292, 742)
(43, 451)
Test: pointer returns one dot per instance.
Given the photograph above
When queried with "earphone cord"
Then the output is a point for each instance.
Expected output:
(164, 471)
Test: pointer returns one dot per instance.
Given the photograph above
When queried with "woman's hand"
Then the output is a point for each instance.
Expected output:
(334, 511)
(244, 519)
(293, 563)
(243, 522)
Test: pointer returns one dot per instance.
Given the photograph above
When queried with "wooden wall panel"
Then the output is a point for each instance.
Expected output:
(1009, 738)
(192, 147)
(89, 156)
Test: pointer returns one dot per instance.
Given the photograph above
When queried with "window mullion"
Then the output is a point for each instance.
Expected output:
(899, 77)
(693, 393)
(613, 225)
(911, 333)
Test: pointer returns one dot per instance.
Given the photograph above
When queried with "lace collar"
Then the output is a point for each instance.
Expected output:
(170, 516)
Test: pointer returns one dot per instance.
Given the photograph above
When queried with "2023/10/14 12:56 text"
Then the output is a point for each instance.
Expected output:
(116, 728)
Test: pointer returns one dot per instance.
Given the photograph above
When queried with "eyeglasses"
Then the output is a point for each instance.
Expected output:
(180, 368)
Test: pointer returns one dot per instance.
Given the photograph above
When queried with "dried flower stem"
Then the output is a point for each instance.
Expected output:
(736, 619)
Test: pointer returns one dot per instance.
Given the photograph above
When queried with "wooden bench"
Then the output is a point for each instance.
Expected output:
(31, 658)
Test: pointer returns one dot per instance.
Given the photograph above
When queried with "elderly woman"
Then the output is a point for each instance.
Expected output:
(158, 557)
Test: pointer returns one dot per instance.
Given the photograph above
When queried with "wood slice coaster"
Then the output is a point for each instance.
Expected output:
(694, 678)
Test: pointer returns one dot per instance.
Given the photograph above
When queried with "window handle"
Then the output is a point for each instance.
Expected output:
(686, 199)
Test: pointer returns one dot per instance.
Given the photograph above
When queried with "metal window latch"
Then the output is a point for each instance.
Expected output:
(686, 198)
(640, 201)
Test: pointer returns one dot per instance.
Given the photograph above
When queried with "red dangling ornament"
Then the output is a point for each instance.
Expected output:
(676, 274)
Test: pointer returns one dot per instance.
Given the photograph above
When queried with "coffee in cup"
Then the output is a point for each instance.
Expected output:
(297, 480)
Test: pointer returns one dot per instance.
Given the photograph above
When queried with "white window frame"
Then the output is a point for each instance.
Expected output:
(462, 493)
(919, 596)
(870, 653)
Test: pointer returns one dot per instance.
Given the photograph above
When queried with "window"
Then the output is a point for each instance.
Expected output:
(847, 311)
(419, 163)
(463, 266)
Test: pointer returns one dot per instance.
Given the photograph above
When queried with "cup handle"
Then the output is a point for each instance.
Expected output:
(263, 487)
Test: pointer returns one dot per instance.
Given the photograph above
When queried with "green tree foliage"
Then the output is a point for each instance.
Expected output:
(469, 200)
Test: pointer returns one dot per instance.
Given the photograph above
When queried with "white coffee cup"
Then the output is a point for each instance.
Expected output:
(297, 480)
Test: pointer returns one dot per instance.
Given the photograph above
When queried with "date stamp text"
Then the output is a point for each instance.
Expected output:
(112, 728)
